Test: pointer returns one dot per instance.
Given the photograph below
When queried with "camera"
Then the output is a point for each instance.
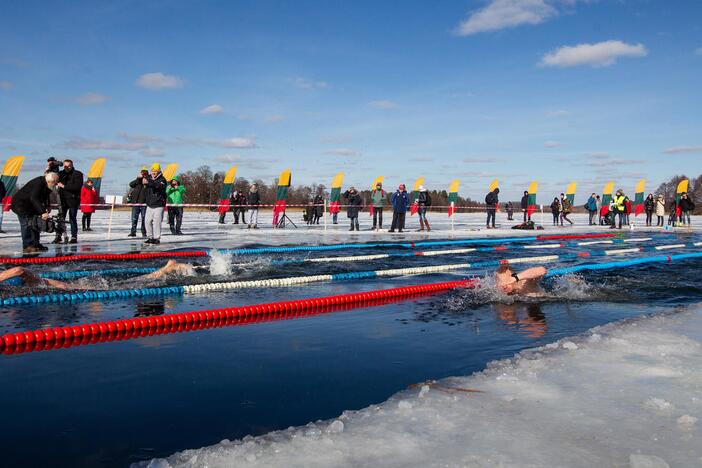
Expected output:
(53, 164)
(49, 225)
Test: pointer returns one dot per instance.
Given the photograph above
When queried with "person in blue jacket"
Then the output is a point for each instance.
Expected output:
(400, 203)
(591, 206)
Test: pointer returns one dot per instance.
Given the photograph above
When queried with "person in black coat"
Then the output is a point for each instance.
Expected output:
(687, 206)
(155, 185)
(69, 185)
(30, 202)
(137, 196)
(491, 201)
(254, 200)
(318, 208)
(354, 201)
(525, 205)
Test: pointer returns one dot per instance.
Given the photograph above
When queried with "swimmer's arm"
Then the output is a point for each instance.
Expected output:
(531, 274)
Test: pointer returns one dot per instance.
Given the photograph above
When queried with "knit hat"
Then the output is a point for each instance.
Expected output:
(155, 167)
(422, 189)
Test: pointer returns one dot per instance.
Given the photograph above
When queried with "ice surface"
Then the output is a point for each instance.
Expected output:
(622, 395)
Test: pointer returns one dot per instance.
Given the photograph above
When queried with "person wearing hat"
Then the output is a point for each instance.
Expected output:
(69, 187)
(378, 201)
(354, 206)
(400, 203)
(137, 197)
(88, 199)
(491, 201)
(424, 201)
(660, 210)
(155, 185)
(619, 205)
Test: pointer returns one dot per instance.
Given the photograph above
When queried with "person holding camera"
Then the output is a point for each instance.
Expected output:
(69, 186)
(155, 198)
(137, 196)
(175, 192)
(32, 202)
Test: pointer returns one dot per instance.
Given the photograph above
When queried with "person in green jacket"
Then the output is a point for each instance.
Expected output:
(378, 198)
(175, 192)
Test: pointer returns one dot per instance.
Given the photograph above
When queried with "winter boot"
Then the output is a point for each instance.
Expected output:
(421, 224)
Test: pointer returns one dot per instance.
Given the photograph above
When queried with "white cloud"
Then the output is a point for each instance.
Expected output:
(683, 149)
(6, 85)
(304, 83)
(552, 144)
(80, 143)
(91, 99)
(601, 54)
(383, 104)
(153, 152)
(501, 14)
(558, 113)
(213, 109)
(238, 142)
(275, 118)
(342, 152)
(158, 81)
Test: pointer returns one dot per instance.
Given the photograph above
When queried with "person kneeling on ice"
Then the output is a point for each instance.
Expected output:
(524, 283)
(18, 276)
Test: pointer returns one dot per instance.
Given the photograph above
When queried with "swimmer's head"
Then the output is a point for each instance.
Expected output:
(503, 273)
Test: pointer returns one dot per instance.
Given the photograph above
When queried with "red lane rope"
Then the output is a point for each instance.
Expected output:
(127, 329)
(576, 236)
(77, 257)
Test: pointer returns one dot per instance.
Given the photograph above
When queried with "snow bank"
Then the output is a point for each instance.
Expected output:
(627, 394)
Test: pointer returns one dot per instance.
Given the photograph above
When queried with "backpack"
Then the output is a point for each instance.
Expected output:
(527, 225)
(490, 199)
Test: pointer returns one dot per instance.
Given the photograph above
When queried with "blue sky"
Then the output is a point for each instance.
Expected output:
(520, 90)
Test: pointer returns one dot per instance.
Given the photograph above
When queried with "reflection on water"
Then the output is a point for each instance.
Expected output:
(524, 318)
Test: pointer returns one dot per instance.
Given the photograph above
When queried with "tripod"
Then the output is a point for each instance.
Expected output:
(281, 224)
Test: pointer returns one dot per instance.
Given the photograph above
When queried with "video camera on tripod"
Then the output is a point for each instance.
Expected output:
(52, 224)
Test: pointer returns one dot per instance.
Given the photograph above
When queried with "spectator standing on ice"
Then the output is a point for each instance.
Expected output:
(566, 209)
(619, 205)
(3, 193)
(239, 204)
(627, 210)
(491, 201)
(88, 199)
(354, 202)
(591, 207)
(137, 197)
(556, 210)
(509, 208)
(687, 206)
(378, 198)
(400, 203)
(660, 210)
(174, 193)
(69, 185)
(649, 208)
(155, 185)
(525, 205)
(254, 200)
(30, 202)
(318, 208)
(423, 202)
(599, 210)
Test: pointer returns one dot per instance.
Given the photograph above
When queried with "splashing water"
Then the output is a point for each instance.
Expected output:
(220, 263)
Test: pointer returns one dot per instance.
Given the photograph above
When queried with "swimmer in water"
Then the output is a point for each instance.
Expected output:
(525, 283)
(19, 276)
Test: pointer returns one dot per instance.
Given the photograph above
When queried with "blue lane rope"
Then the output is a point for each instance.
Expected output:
(67, 275)
(621, 264)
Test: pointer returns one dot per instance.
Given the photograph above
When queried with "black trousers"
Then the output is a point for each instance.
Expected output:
(175, 218)
(72, 217)
(398, 221)
(377, 217)
(85, 220)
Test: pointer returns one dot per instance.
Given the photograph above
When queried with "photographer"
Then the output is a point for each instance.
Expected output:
(69, 187)
(31, 202)
(175, 192)
(137, 195)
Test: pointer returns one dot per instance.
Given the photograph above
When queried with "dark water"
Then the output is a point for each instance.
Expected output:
(121, 402)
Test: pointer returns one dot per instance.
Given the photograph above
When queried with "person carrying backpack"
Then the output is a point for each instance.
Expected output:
(424, 201)
(591, 207)
(566, 209)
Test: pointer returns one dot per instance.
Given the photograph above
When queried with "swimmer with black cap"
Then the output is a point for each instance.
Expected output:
(524, 283)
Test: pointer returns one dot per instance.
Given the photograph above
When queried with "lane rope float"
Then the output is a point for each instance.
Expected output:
(299, 248)
(125, 329)
(622, 264)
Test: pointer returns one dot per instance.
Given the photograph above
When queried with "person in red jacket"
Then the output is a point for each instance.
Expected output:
(88, 199)
(627, 210)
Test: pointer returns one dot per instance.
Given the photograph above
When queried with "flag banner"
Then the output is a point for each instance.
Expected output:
(95, 173)
(170, 171)
(281, 193)
(682, 188)
(570, 192)
(335, 195)
(606, 198)
(10, 172)
(453, 196)
(639, 197)
(226, 192)
(531, 197)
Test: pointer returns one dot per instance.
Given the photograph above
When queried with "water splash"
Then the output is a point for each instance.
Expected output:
(220, 263)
